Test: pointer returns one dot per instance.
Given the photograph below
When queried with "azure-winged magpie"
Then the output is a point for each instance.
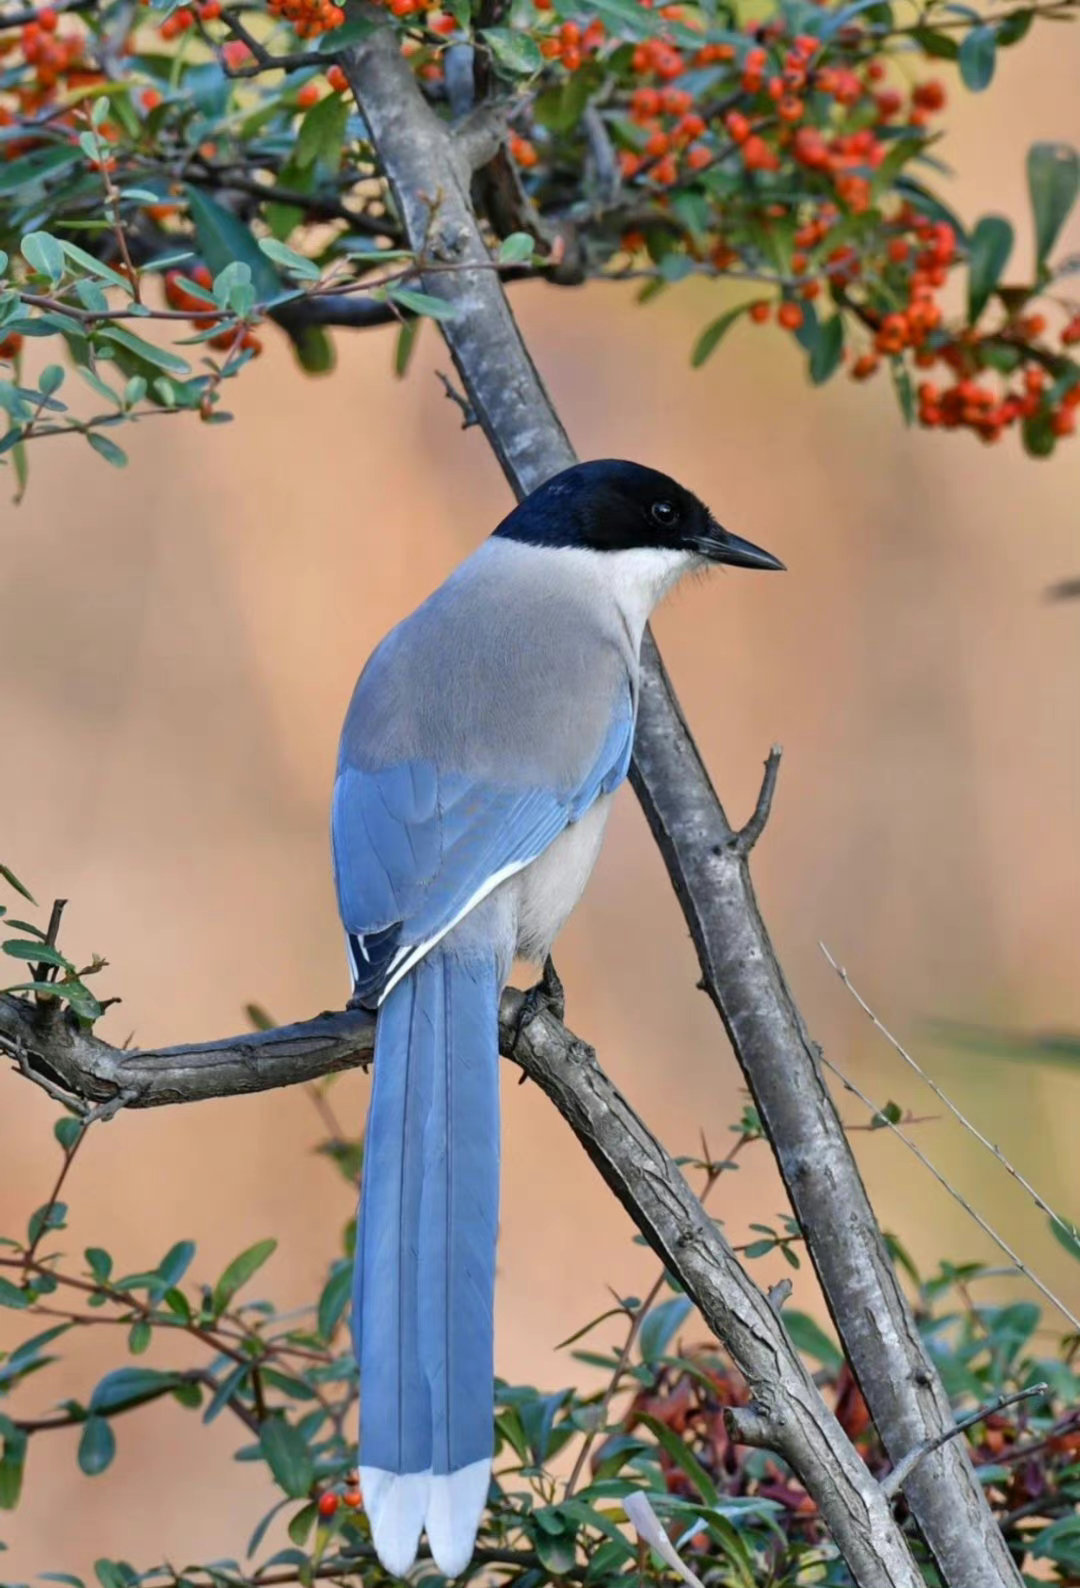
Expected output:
(483, 744)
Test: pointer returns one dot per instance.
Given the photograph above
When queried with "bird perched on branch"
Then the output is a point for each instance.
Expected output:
(481, 750)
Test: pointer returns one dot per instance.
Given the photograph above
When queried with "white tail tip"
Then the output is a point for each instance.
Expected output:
(455, 1505)
(395, 1503)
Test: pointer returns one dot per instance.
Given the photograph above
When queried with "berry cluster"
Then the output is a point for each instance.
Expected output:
(308, 17)
(330, 1501)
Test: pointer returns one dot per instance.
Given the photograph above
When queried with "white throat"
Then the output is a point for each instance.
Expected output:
(634, 580)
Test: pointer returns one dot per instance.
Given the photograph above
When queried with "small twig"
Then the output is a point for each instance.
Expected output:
(748, 835)
(45, 1215)
(468, 414)
(45, 972)
(894, 1481)
(973, 1130)
(264, 61)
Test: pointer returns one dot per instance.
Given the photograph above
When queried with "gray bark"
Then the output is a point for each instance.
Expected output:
(709, 870)
(787, 1414)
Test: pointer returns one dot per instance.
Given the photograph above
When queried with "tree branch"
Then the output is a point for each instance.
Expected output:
(790, 1417)
(707, 865)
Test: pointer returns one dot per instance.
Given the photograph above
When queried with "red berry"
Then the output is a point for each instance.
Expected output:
(328, 1503)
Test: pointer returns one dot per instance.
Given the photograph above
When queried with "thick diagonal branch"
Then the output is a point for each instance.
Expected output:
(430, 181)
(793, 1419)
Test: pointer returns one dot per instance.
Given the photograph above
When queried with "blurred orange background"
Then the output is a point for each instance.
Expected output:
(178, 643)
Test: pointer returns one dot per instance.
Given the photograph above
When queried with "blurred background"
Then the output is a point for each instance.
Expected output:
(178, 643)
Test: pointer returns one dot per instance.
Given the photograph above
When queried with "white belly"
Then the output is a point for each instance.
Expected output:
(547, 890)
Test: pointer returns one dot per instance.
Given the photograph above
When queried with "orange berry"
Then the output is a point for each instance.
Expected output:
(307, 96)
(698, 157)
(657, 145)
(337, 80)
(738, 127)
(210, 11)
(790, 108)
(664, 171)
(1071, 334)
(10, 345)
(898, 250)
(757, 156)
(864, 366)
(929, 95)
(47, 20)
(760, 311)
(353, 1499)
(790, 316)
(150, 99)
(328, 1503)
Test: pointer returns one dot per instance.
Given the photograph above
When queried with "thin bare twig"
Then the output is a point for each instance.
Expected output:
(973, 1130)
(894, 1481)
(957, 1196)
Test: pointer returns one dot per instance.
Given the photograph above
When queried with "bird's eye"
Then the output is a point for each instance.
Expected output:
(664, 513)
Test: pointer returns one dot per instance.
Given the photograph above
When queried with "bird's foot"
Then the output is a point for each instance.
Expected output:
(548, 996)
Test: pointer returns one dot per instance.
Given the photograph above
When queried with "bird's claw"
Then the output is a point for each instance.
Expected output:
(546, 997)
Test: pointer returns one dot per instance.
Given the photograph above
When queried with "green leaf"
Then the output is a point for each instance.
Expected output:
(17, 176)
(828, 350)
(990, 247)
(1014, 27)
(314, 349)
(224, 238)
(1038, 434)
(408, 331)
(301, 1523)
(1069, 1238)
(422, 303)
(557, 1552)
(334, 1299)
(12, 1463)
(67, 1131)
(322, 133)
(516, 53)
(239, 1271)
(107, 449)
(51, 1216)
(516, 249)
(13, 882)
(159, 357)
(683, 1457)
(810, 1339)
(139, 1336)
(938, 45)
(977, 57)
(44, 254)
(79, 256)
(41, 953)
(175, 1264)
(11, 1296)
(97, 1446)
(1053, 173)
(51, 379)
(710, 338)
(660, 1324)
(287, 1455)
(289, 259)
(99, 1263)
(130, 1386)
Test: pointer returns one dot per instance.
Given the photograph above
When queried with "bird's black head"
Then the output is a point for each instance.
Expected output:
(610, 505)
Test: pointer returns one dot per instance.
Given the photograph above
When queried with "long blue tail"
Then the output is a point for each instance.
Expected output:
(425, 1262)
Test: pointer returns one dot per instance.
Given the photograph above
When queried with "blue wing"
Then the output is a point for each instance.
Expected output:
(415, 847)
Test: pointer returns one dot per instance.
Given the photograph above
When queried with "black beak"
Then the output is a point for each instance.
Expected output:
(719, 546)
